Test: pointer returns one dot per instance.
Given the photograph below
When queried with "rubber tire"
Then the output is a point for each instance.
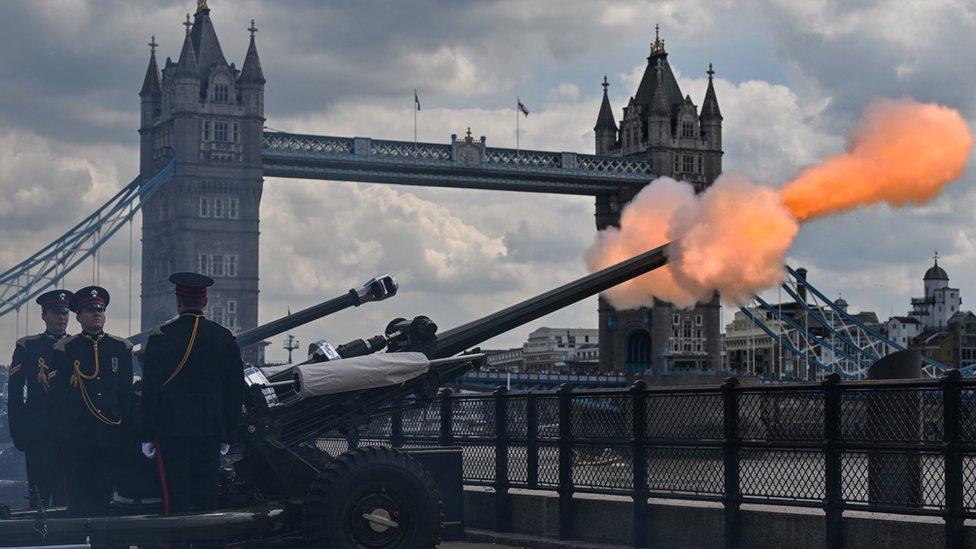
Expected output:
(358, 472)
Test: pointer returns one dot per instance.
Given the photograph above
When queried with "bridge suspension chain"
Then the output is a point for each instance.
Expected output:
(52, 263)
(847, 345)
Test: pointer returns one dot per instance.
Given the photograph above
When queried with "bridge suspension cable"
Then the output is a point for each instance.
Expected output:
(841, 342)
(49, 265)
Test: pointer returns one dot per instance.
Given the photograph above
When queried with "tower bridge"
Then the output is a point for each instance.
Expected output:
(204, 154)
(207, 117)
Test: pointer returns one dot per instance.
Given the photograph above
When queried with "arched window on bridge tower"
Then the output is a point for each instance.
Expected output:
(638, 352)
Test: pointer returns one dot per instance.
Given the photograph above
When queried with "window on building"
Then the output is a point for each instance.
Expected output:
(217, 265)
(687, 129)
(217, 314)
(218, 207)
(698, 346)
(233, 208)
(204, 206)
(686, 332)
(204, 264)
(586, 339)
(676, 320)
(237, 133)
(231, 310)
(688, 164)
(206, 130)
(231, 265)
(698, 320)
(220, 93)
(220, 131)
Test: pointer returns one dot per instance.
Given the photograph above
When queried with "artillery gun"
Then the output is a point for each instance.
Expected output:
(283, 490)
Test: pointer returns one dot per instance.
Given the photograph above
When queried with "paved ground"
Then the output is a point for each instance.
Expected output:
(466, 545)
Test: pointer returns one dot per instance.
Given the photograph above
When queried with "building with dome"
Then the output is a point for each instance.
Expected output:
(939, 303)
(936, 325)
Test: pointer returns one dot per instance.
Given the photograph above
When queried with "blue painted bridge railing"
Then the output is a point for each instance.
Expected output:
(463, 163)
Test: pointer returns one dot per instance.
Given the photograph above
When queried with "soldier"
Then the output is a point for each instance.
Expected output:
(32, 420)
(93, 388)
(192, 393)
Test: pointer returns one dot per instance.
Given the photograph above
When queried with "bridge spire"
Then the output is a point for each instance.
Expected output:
(187, 65)
(605, 120)
(151, 83)
(251, 71)
(710, 110)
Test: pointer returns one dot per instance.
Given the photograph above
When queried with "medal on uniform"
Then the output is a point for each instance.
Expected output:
(115, 365)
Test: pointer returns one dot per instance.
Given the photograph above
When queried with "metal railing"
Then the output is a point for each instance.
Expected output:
(906, 447)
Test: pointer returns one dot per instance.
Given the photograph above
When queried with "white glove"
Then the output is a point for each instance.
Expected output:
(224, 448)
(149, 450)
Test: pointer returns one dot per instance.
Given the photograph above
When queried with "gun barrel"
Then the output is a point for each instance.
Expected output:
(375, 289)
(468, 335)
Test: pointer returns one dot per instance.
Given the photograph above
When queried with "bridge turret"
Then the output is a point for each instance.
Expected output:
(151, 101)
(711, 127)
(606, 126)
(251, 85)
(186, 80)
(659, 126)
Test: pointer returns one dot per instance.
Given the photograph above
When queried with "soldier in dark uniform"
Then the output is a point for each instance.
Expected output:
(32, 419)
(93, 388)
(192, 393)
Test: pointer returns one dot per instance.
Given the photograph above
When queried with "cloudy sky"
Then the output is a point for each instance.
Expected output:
(791, 76)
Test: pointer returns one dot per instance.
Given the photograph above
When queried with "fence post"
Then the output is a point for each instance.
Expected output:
(501, 460)
(532, 441)
(638, 397)
(447, 417)
(951, 405)
(565, 488)
(732, 498)
(833, 514)
(352, 438)
(396, 430)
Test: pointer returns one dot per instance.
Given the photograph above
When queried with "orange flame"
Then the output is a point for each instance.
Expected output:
(734, 237)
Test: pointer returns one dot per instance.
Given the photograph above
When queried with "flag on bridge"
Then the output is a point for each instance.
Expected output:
(522, 108)
(416, 99)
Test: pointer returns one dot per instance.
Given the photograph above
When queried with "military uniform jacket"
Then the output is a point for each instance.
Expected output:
(93, 388)
(32, 419)
(193, 380)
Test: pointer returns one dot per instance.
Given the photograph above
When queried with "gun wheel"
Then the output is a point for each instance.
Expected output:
(373, 497)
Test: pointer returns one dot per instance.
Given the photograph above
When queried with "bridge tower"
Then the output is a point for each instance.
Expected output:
(661, 124)
(208, 117)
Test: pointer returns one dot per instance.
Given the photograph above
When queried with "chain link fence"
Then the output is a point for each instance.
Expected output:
(905, 447)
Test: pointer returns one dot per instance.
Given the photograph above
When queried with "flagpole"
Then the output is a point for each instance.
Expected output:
(517, 148)
(415, 120)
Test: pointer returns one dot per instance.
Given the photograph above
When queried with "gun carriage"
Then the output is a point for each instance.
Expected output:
(278, 487)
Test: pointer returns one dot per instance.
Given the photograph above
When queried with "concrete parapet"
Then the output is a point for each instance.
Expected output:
(607, 521)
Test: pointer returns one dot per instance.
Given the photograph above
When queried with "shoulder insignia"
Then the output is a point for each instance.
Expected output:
(157, 330)
(128, 344)
(14, 369)
(59, 346)
(22, 342)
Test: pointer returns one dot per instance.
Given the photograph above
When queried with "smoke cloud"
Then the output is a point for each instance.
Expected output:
(733, 238)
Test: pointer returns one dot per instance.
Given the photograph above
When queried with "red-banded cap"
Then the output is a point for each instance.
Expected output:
(59, 300)
(89, 295)
(193, 285)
